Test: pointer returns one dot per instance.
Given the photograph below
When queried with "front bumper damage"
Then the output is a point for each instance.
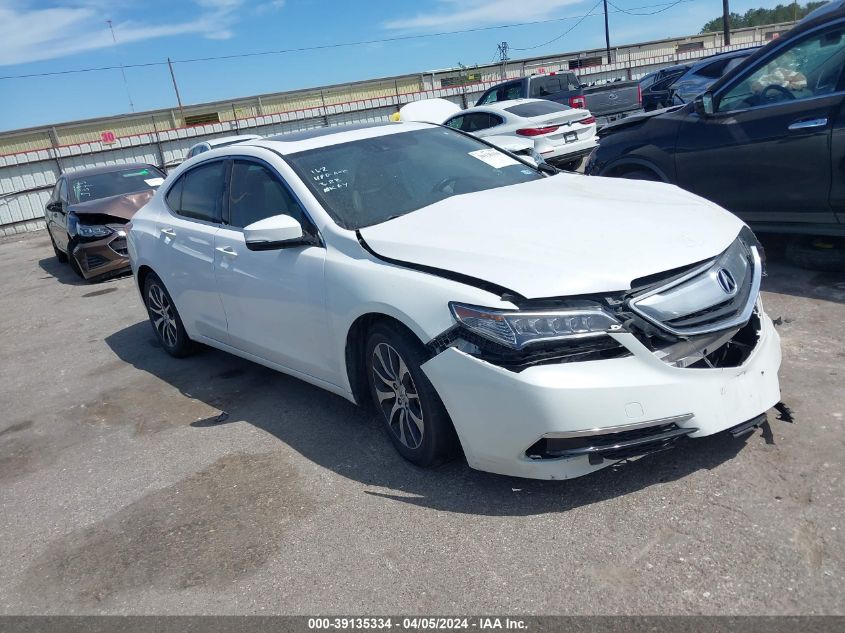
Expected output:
(103, 257)
(506, 419)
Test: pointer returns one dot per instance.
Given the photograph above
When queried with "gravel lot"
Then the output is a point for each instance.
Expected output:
(134, 483)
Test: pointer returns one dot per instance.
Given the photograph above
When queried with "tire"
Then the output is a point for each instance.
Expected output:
(164, 318)
(71, 245)
(62, 257)
(641, 174)
(402, 394)
(817, 253)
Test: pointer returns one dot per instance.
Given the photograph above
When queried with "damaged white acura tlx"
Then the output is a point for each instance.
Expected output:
(548, 325)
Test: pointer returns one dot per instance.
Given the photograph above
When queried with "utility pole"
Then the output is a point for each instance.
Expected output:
(503, 57)
(176, 88)
(726, 23)
(122, 70)
(607, 31)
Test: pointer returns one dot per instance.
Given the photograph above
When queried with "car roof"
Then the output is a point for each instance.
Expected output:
(503, 105)
(334, 135)
(742, 52)
(105, 169)
(220, 140)
(823, 11)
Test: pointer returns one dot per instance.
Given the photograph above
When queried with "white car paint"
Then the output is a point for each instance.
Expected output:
(551, 146)
(293, 309)
(220, 141)
(537, 260)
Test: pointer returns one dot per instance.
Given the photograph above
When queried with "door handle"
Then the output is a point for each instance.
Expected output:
(807, 124)
(227, 250)
(168, 232)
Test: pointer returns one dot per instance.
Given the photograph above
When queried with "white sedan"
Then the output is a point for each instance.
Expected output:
(561, 135)
(548, 325)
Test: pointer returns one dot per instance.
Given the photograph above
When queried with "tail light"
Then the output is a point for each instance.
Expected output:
(537, 131)
(587, 121)
(578, 102)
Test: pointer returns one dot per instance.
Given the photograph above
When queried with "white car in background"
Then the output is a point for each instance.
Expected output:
(214, 143)
(548, 325)
(561, 135)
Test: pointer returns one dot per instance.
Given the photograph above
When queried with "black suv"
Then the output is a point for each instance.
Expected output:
(767, 141)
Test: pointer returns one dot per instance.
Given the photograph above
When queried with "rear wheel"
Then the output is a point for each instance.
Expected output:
(166, 322)
(414, 416)
(817, 253)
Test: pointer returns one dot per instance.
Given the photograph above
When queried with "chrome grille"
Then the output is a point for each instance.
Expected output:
(718, 295)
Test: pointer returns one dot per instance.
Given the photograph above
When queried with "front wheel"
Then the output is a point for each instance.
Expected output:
(415, 418)
(641, 174)
(164, 318)
(60, 255)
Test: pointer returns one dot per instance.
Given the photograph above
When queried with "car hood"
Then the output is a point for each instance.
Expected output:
(559, 236)
(122, 207)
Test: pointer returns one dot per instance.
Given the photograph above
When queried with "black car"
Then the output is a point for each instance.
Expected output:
(655, 87)
(767, 141)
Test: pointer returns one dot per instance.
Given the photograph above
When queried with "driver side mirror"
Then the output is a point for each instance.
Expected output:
(275, 232)
(703, 104)
(55, 206)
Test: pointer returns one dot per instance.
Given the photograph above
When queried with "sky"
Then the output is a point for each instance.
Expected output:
(38, 36)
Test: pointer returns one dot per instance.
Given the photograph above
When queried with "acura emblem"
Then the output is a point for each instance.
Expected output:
(726, 281)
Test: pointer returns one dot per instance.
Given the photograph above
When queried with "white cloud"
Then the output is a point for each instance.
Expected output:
(468, 13)
(80, 26)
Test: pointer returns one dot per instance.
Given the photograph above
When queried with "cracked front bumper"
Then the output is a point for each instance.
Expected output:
(498, 414)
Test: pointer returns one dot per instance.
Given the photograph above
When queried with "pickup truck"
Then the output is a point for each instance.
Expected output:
(608, 102)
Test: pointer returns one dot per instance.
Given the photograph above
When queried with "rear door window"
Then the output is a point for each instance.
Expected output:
(201, 192)
(477, 121)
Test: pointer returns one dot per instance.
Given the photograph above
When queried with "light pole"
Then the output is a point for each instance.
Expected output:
(726, 23)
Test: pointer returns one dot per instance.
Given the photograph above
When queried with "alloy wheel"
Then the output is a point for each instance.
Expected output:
(397, 395)
(163, 317)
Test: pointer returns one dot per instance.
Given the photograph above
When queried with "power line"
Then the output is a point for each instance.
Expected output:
(629, 12)
(567, 32)
(302, 49)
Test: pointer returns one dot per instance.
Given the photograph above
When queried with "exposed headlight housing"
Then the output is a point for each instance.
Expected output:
(516, 329)
(92, 230)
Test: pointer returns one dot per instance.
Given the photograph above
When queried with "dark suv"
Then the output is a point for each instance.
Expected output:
(766, 141)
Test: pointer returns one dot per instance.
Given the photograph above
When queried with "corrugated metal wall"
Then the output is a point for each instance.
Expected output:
(31, 160)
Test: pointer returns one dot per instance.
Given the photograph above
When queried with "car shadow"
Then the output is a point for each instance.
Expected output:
(348, 440)
(785, 278)
(64, 273)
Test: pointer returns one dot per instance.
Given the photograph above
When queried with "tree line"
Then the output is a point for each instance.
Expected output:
(759, 17)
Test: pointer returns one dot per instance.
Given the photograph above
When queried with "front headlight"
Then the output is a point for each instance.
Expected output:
(92, 230)
(517, 329)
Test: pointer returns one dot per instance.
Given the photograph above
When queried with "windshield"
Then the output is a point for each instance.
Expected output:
(114, 183)
(367, 182)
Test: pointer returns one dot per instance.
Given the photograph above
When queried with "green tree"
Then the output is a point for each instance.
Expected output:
(759, 17)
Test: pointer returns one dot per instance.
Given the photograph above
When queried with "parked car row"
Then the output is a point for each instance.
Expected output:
(608, 102)
(764, 141)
